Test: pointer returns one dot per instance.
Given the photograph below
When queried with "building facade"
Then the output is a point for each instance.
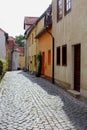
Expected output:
(2, 44)
(11, 45)
(44, 44)
(28, 22)
(16, 59)
(70, 30)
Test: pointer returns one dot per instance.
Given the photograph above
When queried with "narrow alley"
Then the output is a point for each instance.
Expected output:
(30, 103)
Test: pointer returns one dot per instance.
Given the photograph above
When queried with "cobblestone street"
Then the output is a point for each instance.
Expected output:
(30, 103)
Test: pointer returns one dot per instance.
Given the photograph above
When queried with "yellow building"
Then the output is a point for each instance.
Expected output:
(70, 33)
(44, 32)
(28, 22)
(39, 40)
(32, 49)
(22, 57)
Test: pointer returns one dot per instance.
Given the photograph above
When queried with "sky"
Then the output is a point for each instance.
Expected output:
(12, 13)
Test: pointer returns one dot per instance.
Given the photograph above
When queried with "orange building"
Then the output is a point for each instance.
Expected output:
(45, 47)
(45, 42)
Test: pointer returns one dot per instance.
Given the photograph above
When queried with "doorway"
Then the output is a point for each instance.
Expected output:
(43, 61)
(77, 65)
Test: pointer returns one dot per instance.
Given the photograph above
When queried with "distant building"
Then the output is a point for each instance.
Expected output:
(12, 44)
(21, 58)
(3, 38)
(16, 59)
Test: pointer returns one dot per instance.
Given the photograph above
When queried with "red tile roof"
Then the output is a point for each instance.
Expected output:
(21, 50)
(11, 42)
(29, 20)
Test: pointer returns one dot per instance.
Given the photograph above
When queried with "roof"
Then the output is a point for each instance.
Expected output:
(38, 19)
(11, 42)
(16, 49)
(2, 30)
(21, 50)
(29, 20)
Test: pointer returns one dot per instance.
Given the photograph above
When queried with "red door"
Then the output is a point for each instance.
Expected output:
(77, 52)
(43, 61)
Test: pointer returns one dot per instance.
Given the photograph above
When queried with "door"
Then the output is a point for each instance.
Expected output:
(43, 61)
(77, 54)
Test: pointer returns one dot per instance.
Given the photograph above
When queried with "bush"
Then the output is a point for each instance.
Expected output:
(2, 66)
(39, 62)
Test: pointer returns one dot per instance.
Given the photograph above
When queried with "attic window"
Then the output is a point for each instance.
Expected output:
(59, 9)
(67, 6)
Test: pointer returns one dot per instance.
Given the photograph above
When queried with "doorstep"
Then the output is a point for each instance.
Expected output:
(74, 93)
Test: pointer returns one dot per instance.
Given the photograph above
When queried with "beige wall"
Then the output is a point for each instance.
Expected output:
(71, 30)
(40, 25)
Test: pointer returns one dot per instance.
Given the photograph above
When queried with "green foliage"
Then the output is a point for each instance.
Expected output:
(2, 66)
(19, 40)
(39, 62)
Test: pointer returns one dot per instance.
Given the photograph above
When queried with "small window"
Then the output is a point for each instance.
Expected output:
(64, 55)
(58, 56)
(32, 38)
(59, 10)
(34, 60)
(49, 57)
(67, 6)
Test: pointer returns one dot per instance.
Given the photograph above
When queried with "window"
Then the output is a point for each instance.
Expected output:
(67, 6)
(32, 38)
(59, 10)
(34, 60)
(58, 56)
(64, 55)
(49, 57)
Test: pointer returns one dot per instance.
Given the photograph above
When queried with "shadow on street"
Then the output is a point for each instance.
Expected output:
(75, 109)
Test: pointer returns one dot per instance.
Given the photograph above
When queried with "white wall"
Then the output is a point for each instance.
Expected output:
(2, 45)
(15, 61)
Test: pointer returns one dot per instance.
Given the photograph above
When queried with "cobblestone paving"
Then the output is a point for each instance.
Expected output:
(30, 103)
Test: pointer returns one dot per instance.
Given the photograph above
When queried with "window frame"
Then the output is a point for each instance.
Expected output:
(67, 3)
(49, 57)
(64, 55)
(59, 9)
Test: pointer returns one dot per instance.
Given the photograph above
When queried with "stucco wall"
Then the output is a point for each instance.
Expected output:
(45, 44)
(2, 45)
(32, 49)
(21, 62)
(15, 60)
(71, 30)
(40, 25)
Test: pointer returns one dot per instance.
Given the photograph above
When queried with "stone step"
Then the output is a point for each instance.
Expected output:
(74, 93)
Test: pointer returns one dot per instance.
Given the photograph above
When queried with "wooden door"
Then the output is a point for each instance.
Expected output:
(43, 62)
(77, 53)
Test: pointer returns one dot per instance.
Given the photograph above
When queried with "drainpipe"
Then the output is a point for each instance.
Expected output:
(53, 60)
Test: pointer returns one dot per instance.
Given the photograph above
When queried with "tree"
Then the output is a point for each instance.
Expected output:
(19, 40)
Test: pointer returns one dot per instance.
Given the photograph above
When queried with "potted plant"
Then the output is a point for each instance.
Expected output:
(39, 64)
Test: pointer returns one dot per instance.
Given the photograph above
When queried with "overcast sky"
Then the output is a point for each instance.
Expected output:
(12, 13)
